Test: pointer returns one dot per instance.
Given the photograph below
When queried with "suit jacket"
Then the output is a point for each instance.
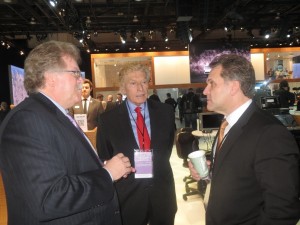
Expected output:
(255, 178)
(110, 106)
(136, 195)
(93, 113)
(50, 172)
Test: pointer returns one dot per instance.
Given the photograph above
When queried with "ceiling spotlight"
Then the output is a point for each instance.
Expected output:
(135, 19)
(62, 12)
(164, 35)
(267, 34)
(289, 34)
(53, 3)
(32, 21)
(150, 35)
(123, 38)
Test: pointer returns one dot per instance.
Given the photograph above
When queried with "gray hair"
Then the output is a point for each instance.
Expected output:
(235, 67)
(45, 57)
(133, 67)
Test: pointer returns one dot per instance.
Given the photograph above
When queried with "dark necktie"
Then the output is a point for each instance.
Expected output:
(142, 132)
(221, 133)
(85, 106)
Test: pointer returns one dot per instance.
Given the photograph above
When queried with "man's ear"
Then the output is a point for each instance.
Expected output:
(50, 79)
(235, 87)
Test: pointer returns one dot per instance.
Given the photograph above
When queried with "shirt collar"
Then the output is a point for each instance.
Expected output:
(88, 98)
(64, 111)
(132, 106)
(233, 117)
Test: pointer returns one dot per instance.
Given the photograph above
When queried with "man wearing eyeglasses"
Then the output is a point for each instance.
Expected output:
(89, 106)
(51, 173)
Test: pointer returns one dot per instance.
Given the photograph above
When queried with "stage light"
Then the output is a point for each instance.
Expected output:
(53, 3)
(123, 38)
(135, 19)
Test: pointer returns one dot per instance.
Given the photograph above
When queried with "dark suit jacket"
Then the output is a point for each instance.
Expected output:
(110, 106)
(255, 178)
(93, 113)
(136, 195)
(50, 172)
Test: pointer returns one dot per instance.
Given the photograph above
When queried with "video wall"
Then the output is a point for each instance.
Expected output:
(201, 55)
(16, 82)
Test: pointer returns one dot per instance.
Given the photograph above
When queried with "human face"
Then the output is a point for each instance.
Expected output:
(135, 86)
(68, 85)
(217, 91)
(86, 90)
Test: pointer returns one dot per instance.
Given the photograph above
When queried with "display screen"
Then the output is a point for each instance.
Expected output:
(210, 121)
(16, 81)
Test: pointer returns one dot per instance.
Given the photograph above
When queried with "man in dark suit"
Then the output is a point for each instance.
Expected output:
(110, 104)
(255, 175)
(88, 105)
(154, 96)
(148, 196)
(51, 173)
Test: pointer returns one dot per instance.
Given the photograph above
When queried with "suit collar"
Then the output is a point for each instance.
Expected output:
(233, 135)
(63, 120)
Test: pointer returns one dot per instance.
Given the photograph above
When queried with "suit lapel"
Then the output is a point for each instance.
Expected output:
(66, 123)
(126, 128)
(232, 137)
(154, 122)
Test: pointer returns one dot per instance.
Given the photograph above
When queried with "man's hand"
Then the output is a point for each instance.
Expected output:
(119, 166)
(193, 171)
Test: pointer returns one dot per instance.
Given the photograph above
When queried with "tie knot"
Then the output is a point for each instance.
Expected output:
(138, 109)
(84, 99)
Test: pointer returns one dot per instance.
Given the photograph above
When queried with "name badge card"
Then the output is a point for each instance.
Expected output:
(143, 164)
(81, 120)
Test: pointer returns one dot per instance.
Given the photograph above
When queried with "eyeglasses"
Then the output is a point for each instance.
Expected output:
(75, 73)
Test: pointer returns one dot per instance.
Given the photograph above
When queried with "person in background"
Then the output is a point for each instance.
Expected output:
(144, 131)
(100, 98)
(171, 101)
(51, 174)
(180, 109)
(257, 162)
(286, 98)
(110, 104)
(4, 109)
(119, 99)
(190, 104)
(154, 96)
(88, 105)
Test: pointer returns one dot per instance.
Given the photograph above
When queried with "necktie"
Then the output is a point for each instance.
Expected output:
(74, 122)
(80, 130)
(141, 129)
(85, 106)
(221, 133)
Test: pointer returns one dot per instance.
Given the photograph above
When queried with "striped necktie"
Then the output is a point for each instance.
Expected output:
(221, 133)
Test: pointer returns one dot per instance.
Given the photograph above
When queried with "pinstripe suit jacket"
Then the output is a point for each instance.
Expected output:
(51, 174)
(93, 113)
